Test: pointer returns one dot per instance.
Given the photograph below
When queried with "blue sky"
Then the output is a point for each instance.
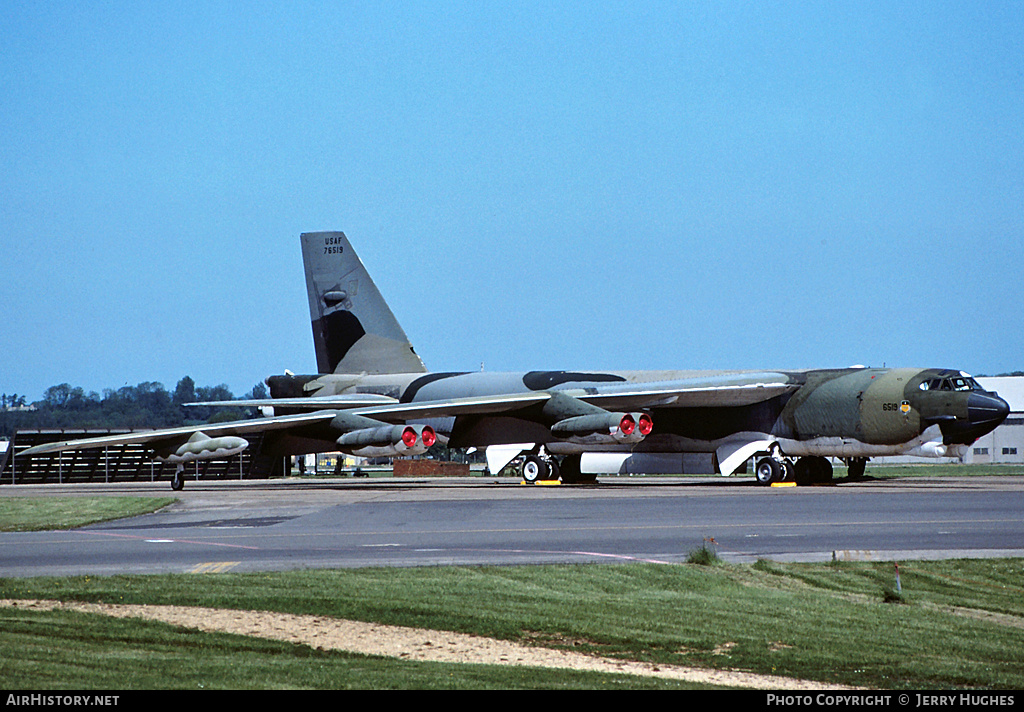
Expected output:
(533, 185)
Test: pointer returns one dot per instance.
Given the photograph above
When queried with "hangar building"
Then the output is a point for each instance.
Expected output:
(1005, 444)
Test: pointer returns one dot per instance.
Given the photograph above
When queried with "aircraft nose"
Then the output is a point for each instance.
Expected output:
(986, 410)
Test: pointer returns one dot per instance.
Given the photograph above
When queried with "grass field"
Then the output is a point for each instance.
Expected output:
(957, 624)
(941, 469)
(19, 514)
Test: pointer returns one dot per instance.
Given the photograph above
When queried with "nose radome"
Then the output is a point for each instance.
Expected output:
(984, 409)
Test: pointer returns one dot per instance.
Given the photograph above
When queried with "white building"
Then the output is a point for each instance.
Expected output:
(1005, 444)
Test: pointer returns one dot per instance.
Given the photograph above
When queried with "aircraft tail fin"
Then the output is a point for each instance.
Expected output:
(354, 330)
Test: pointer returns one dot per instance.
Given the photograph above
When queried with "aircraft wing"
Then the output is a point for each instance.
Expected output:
(716, 391)
(168, 436)
(477, 405)
(706, 391)
(389, 411)
(341, 402)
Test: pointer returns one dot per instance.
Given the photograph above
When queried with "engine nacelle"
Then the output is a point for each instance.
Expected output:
(202, 447)
(388, 441)
(605, 427)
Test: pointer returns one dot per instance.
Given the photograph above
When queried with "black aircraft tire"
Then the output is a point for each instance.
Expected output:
(803, 472)
(534, 468)
(856, 467)
(767, 471)
(177, 481)
(570, 470)
(554, 470)
(824, 472)
(813, 471)
(788, 471)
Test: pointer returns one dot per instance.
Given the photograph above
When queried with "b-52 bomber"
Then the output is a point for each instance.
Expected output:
(374, 397)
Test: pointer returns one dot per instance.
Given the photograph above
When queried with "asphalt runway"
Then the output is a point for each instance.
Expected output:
(292, 524)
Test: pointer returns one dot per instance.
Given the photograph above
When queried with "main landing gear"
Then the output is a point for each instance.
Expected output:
(804, 471)
(855, 467)
(538, 467)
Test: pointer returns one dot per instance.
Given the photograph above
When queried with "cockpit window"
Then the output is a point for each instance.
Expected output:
(959, 383)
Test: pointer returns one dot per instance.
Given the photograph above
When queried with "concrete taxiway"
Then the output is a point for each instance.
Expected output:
(317, 523)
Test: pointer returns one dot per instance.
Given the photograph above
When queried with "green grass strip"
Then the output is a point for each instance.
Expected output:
(20, 514)
(960, 624)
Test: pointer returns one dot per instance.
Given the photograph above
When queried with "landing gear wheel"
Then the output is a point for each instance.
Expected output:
(813, 471)
(571, 471)
(822, 471)
(768, 470)
(802, 471)
(788, 470)
(177, 480)
(553, 469)
(855, 468)
(534, 468)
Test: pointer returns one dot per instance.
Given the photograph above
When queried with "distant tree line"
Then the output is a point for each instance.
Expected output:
(147, 405)
(12, 401)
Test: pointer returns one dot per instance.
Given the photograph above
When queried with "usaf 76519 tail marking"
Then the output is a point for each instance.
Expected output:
(373, 396)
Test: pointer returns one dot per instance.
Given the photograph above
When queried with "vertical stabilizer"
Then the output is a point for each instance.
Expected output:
(354, 331)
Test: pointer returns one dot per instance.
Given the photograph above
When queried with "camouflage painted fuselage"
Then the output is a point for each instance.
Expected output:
(856, 412)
